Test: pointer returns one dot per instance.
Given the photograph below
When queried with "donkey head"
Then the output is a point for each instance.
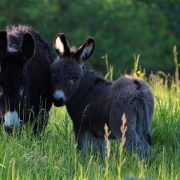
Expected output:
(67, 70)
(14, 55)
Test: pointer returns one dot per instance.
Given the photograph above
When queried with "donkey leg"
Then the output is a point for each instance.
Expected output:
(132, 140)
(87, 142)
(84, 141)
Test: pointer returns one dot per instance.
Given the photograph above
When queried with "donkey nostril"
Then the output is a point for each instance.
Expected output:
(59, 102)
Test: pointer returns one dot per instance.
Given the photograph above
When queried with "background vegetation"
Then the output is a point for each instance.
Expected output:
(121, 28)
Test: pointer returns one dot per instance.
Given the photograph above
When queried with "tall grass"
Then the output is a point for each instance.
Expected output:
(54, 156)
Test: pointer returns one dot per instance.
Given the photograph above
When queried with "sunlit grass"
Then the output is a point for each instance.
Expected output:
(54, 156)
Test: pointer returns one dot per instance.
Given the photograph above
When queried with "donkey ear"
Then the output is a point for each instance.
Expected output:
(61, 45)
(28, 45)
(86, 50)
(3, 42)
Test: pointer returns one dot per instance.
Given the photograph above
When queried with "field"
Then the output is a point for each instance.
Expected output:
(123, 30)
(55, 155)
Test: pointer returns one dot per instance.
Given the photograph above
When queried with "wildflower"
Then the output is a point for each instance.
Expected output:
(138, 74)
(134, 74)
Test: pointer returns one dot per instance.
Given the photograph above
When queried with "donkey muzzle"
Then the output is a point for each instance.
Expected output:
(59, 98)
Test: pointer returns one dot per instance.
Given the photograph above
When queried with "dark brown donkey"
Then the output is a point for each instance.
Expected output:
(93, 102)
(25, 79)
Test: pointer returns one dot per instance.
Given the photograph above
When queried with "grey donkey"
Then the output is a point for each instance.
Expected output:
(92, 101)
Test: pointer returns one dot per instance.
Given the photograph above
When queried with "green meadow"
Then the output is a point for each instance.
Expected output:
(54, 156)
(120, 28)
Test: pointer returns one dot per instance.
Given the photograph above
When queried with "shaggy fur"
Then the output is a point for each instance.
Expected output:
(25, 79)
(93, 102)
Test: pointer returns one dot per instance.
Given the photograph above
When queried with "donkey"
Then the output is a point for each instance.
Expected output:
(25, 79)
(92, 101)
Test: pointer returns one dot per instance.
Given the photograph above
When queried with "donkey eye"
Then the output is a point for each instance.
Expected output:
(74, 78)
(21, 89)
(53, 75)
(1, 92)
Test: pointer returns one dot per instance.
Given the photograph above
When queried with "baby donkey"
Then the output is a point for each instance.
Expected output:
(93, 101)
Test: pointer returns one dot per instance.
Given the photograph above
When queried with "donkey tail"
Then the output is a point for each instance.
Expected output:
(144, 120)
(143, 102)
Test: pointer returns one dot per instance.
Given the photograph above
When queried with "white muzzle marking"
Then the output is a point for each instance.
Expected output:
(58, 94)
(11, 119)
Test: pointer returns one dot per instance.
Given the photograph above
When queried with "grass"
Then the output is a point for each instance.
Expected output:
(55, 155)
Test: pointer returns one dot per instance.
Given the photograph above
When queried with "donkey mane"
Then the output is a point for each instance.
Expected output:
(89, 81)
(18, 31)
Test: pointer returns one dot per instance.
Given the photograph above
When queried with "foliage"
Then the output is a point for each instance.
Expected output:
(121, 28)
